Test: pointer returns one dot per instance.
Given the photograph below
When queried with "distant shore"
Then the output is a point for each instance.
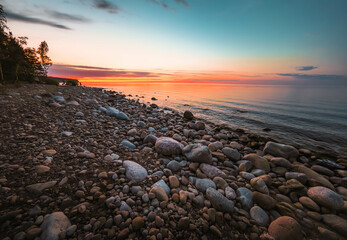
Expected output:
(105, 166)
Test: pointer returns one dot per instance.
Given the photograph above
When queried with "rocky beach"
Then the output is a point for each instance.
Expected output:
(86, 163)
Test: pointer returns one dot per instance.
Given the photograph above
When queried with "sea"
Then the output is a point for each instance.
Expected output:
(312, 117)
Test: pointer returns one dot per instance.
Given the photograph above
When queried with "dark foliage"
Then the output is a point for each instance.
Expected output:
(18, 62)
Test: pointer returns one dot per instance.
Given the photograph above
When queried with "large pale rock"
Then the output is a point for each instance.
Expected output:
(197, 153)
(116, 113)
(168, 146)
(211, 171)
(281, 150)
(53, 224)
(39, 187)
(313, 177)
(258, 161)
(218, 201)
(134, 171)
(326, 197)
(285, 228)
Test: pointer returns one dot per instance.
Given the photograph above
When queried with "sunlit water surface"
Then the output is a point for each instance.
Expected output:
(313, 117)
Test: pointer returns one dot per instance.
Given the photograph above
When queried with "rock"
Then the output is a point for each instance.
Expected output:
(230, 193)
(168, 146)
(337, 223)
(322, 170)
(39, 187)
(231, 153)
(174, 183)
(294, 184)
(91, 101)
(35, 211)
(220, 182)
(263, 200)
(197, 153)
(258, 161)
(126, 143)
(134, 171)
(71, 230)
(285, 228)
(41, 169)
(245, 196)
(59, 99)
(211, 171)
(183, 223)
(247, 175)
(326, 197)
(159, 193)
(33, 232)
(215, 146)
(309, 203)
(281, 162)
(161, 183)
(260, 216)
(150, 139)
(132, 132)
(188, 115)
(138, 223)
(53, 224)
(218, 201)
(49, 152)
(327, 234)
(202, 184)
(281, 150)
(174, 166)
(259, 185)
(301, 177)
(312, 176)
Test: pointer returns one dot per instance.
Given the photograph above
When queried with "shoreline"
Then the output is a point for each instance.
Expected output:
(71, 158)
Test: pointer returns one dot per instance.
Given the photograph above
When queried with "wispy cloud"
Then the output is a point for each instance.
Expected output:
(306, 68)
(80, 71)
(160, 3)
(106, 5)
(184, 2)
(66, 16)
(316, 78)
(28, 19)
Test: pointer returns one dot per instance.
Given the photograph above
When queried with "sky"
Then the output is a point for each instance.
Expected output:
(219, 41)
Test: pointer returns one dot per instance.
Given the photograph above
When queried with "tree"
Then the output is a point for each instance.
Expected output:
(3, 38)
(46, 62)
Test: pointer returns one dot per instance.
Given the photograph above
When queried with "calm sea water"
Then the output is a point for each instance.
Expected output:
(310, 117)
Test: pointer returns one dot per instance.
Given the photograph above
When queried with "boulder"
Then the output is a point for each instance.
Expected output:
(168, 146)
(197, 153)
(134, 171)
(53, 224)
(285, 228)
(326, 197)
(231, 153)
(281, 150)
(258, 161)
(337, 223)
(218, 201)
(313, 177)
(211, 171)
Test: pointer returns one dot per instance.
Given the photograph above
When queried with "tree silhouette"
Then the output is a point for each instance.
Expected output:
(46, 62)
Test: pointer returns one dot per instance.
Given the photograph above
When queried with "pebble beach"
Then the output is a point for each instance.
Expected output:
(87, 163)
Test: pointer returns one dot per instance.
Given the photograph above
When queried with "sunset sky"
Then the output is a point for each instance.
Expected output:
(224, 41)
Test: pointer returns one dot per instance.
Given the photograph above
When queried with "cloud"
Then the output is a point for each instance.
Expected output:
(106, 5)
(160, 3)
(184, 2)
(316, 78)
(27, 19)
(306, 68)
(65, 16)
(80, 71)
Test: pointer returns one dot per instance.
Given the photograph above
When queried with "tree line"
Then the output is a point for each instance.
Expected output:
(19, 62)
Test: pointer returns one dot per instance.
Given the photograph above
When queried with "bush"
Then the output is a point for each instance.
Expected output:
(71, 82)
(50, 81)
